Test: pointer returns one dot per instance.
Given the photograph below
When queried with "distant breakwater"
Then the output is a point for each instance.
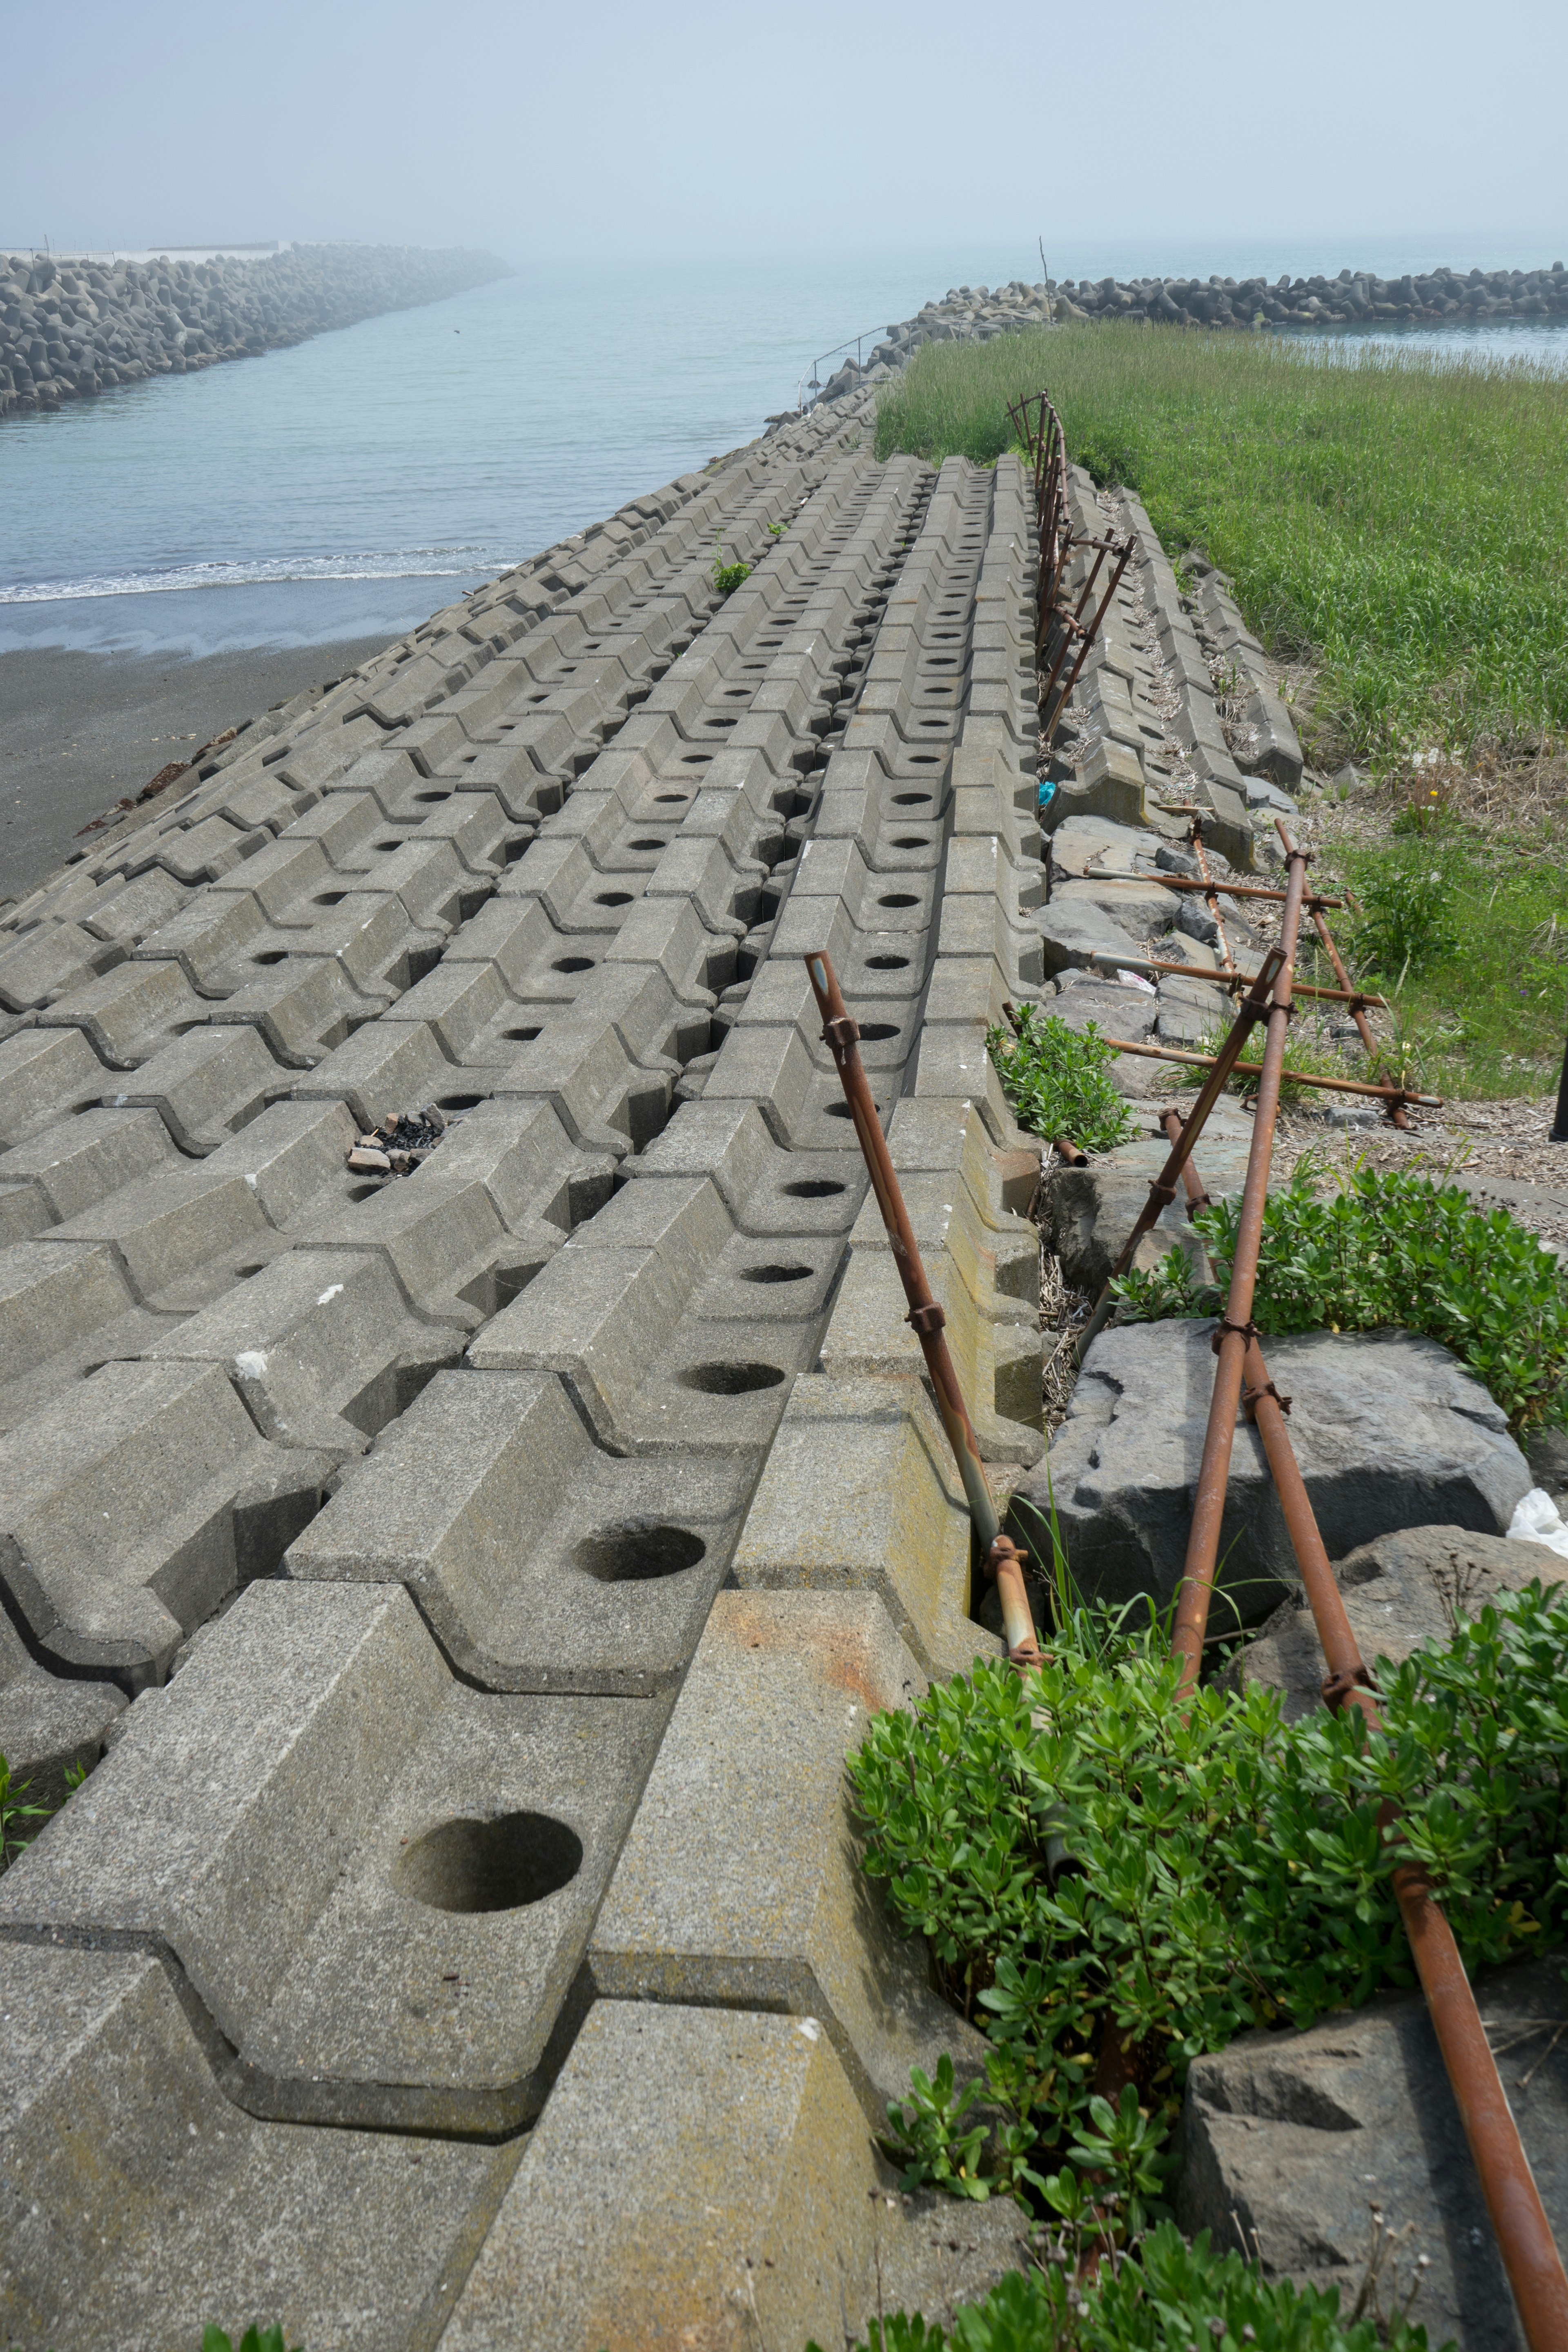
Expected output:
(69, 329)
(974, 313)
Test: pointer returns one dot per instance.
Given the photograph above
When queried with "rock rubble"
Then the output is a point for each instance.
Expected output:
(68, 330)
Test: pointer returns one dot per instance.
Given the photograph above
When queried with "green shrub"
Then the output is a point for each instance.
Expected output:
(1083, 1854)
(1166, 2294)
(263, 2339)
(727, 577)
(1409, 921)
(1393, 1247)
(14, 1812)
(1058, 1082)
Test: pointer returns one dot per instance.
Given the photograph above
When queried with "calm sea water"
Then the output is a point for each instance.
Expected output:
(357, 483)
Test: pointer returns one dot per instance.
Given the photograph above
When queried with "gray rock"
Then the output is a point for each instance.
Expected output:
(1117, 1012)
(1389, 1431)
(1415, 1585)
(1292, 2140)
(1142, 910)
(1072, 930)
(1089, 1214)
(1348, 779)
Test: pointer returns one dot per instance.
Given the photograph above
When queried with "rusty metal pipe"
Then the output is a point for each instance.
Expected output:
(1002, 1557)
(1252, 1007)
(1235, 1324)
(1049, 727)
(1103, 959)
(1071, 1151)
(1211, 895)
(1173, 1123)
(1396, 1110)
(1227, 889)
(1295, 1077)
(1523, 2234)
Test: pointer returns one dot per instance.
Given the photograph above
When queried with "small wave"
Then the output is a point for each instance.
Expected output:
(399, 563)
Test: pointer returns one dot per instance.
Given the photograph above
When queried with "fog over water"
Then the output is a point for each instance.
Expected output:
(352, 485)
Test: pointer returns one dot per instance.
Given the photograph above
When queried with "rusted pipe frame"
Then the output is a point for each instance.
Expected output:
(1523, 2234)
(1071, 1152)
(1173, 1123)
(1235, 1328)
(1163, 1188)
(1049, 729)
(1395, 1110)
(1102, 958)
(1003, 1558)
(1294, 1077)
(1211, 895)
(1229, 889)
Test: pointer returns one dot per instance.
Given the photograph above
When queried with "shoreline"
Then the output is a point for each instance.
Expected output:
(81, 730)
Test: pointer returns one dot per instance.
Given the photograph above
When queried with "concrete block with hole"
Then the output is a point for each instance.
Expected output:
(699, 2173)
(740, 1885)
(859, 1492)
(542, 1563)
(134, 1505)
(152, 2201)
(382, 1911)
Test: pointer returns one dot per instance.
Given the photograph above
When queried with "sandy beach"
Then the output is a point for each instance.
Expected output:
(82, 730)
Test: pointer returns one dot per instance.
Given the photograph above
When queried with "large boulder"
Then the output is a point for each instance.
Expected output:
(1416, 1585)
(1389, 1430)
(1292, 2142)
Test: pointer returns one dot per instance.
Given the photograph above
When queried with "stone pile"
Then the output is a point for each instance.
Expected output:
(974, 314)
(67, 330)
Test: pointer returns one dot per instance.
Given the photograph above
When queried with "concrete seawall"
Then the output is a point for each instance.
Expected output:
(70, 329)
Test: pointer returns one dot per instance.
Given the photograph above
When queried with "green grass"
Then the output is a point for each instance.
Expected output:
(1401, 524)
(1401, 519)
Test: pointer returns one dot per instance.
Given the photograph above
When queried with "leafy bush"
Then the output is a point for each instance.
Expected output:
(1056, 1079)
(1167, 2292)
(1170, 1289)
(1084, 1856)
(727, 577)
(1409, 920)
(1392, 1247)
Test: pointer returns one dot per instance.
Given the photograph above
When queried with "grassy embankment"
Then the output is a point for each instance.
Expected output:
(1397, 531)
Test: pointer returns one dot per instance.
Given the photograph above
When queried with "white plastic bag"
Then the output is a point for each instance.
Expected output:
(1538, 1520)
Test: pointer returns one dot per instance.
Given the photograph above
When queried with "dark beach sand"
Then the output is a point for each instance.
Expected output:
(82, 730)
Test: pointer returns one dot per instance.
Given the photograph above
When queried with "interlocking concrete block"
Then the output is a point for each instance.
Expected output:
(383, 1067)
(859, 1492)
(78, 1161)
(130, 1012)
(119, 1510)
(442, 1235)
(49, 960)
(303, 1005)
(291, 1156)
(600, 1312)
(337, 1873)
(52, 1292)
(740, 1885)
(47, 1722)
(117, 2140)
(161, 1229)
(543, 1564)
(700, 2177)
(204, 1085)
(323, 1345)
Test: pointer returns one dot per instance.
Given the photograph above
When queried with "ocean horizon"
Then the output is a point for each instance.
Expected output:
(348, 487)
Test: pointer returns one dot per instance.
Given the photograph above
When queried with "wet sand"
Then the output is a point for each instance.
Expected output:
(82, 730)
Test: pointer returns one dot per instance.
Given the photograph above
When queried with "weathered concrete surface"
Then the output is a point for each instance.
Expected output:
(1388, 1429)
(740, 1885)
(701, 2177)
(1291, 2141)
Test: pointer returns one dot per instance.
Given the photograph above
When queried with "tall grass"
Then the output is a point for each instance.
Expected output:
(1399, 519)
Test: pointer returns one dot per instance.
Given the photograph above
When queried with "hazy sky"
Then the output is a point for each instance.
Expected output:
(568, 131)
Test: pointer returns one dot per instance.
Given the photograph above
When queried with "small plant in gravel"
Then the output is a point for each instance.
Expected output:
(254, 2339)
(1409, 920)
(1087, 1857)
(14, 1812)
(1164, 2293)
(1058, 1080)
(1395, 1248)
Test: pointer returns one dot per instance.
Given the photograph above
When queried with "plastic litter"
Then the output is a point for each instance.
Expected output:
(1538, 1520)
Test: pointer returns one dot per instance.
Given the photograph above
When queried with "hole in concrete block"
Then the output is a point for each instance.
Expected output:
(521, 1036)
(574, 964)
(432, 796)
(362, 1192)
(730, 1379)
(911, 800)
(637, 1550)
(330, 898)
(839, 1110)
(872, 1032)
(898, 898)
(776, 1273)
(886, 963)
(925, 759)
(271, 955)
(815, 1187)
(612, 898)
(459, 1102)
(911, 841)
(499, 1865)
(658, 840)
(672, 796)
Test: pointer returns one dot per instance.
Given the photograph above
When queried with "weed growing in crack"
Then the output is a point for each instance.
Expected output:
(1056, 1080)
